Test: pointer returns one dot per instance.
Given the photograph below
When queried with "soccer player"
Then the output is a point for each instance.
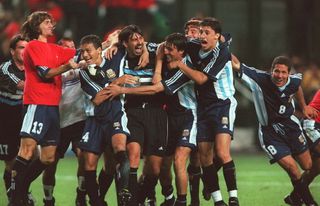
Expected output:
(43, 62)
(11, 90)
(216, 107)
(181, 108)
(280, 131)
(311, 128)
(71, 123)
(106, 123)
(147, 120)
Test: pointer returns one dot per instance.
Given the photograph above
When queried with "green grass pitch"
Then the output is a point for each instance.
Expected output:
(259, 183)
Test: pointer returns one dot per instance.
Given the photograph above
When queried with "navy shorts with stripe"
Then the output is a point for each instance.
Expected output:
(41, 122)
(283, 139)
(216, 119)
(182, 131)
(10, 125)
(148, 127)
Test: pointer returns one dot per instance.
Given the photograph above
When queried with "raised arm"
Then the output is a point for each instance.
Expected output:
(309, 112)
(235, 63)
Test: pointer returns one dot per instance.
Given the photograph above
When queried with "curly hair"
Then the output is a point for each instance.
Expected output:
(30, 28)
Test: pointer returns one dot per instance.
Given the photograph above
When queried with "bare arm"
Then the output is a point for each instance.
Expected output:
(197, 76)
(59, 70)
(235, 63)
(309, 112)
(115, 90)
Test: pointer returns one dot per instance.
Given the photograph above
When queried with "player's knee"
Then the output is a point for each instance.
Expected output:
(306, 165)
(223, 156)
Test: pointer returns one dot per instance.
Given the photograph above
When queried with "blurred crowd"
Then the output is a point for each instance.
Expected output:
(76, 18)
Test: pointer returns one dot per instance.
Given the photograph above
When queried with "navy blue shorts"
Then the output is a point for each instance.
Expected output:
(41, 123)
(10, 125)
(216, 119)
(182, 131)
(70, 134)
(148, 127)
(99, 129)
(283, 139)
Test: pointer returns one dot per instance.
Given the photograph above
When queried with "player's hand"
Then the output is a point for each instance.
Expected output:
(235, 62)
(112, 91)
(100, 97)
(126, 79)
(156, 78)
(310, 112)
(72, 64)
(174, 64)
(82, 64)
(111, 51)
(144, 58)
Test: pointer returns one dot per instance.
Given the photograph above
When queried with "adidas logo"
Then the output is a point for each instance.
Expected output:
(184, 138)
(225, 127)
(283, 95)
(160, 148)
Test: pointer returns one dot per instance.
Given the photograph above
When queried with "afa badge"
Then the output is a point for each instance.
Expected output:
(225, 120)
(110, 74)
(301, 139)
(185, 133)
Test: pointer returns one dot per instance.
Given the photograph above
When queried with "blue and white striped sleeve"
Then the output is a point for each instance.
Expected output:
(88, 85)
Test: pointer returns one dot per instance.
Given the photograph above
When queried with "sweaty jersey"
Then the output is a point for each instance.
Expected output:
(10, 76)
(181, 90)
(48, 55)
(216, 64)
(144, 75)
(92, 86)
(273, 104)
(315, 103)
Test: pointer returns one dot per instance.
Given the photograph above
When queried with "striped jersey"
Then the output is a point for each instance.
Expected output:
(273, 104)
(216, 64)
(181, 90)
(144, 75)
(10, 75)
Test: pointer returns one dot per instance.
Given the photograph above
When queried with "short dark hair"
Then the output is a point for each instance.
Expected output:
(213, 23)
(30, 28)
(64, 39)
(128, 31)
(282, 60)
(91, 39)
(194, 21)
(15, 39)
(177, 39)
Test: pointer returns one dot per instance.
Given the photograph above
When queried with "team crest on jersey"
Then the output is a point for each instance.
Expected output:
(110, 73)
(224, 120)
(301, 139)
(116, 125)
(185, 133)
(13, 173)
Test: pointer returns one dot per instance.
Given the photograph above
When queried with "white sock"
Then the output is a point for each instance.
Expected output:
(233, 193)
(216, 196)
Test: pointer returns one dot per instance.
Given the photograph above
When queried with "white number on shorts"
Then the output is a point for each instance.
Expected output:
(272, 150)
(85, 137)
(3, 149)
(282, 109)
(37, 127)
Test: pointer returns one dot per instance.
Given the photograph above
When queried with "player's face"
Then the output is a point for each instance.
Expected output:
(68, 44)
(192, 32)
(90, 54)
(172, 53)
(208, 37)
(280, 74)
(17, 53)
(134, 45)
(46, 28)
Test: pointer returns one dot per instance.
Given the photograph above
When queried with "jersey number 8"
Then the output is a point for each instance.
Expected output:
(282, 109)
